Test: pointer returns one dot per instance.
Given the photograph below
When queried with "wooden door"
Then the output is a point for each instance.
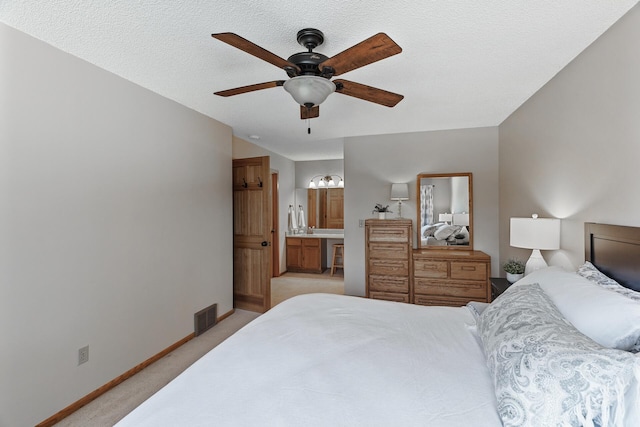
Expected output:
(312, 208)
(252, 234)
(335, 208)
(322, 208)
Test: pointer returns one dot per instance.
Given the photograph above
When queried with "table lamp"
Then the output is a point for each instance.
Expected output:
(399, 192)
(536, 234)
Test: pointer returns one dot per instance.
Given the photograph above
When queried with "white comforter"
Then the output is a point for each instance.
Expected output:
(330, 360)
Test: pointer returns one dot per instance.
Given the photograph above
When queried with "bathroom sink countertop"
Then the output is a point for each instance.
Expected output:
(321, 234)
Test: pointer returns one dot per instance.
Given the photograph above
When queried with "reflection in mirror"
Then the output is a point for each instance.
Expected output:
(324, 206)
(445, 211)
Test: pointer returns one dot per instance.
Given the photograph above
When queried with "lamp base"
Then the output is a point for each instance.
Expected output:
(535, 262)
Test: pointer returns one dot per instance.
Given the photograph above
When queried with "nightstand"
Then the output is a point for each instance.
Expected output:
(498, 286)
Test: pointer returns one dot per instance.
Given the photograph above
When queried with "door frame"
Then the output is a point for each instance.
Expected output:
(275, 227)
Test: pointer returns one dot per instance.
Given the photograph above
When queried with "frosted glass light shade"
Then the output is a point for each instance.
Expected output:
(309, 89)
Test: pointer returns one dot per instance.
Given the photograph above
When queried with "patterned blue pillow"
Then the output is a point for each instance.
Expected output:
(589, 271)
(545, 372)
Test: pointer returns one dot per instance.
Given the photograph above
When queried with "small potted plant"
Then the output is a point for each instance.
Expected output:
(514, 269)
(381, 210)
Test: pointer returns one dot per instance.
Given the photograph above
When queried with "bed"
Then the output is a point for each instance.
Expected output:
(319, 360)
(444, 234)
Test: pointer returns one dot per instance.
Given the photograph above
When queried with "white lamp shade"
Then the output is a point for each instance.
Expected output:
(445, 217)
(460, 219)
(535, 233)
(309, 89)
(399, 192)
(312, 184)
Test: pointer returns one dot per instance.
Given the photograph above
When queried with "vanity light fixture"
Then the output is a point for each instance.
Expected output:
(536, 234)
(326, 181)
(399, 192)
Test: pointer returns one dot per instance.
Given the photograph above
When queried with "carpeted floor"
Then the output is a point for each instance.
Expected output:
(292, 284)
(112, 406)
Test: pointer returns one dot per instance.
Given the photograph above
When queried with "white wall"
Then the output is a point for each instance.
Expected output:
(115, 219)
(373, 163)
(572, 150)
(243, 149)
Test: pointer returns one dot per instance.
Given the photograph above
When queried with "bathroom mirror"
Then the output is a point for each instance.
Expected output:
(445, 211)
(323, 207)
(328, 206)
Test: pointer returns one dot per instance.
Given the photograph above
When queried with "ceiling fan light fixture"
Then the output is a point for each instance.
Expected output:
(309, 89)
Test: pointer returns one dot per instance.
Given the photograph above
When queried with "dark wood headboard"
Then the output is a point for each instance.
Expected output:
(614, 250)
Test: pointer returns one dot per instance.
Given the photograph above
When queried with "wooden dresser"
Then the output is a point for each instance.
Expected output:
(388, 251)
(451, 277)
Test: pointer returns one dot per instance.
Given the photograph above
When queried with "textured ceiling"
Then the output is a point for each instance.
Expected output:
(464, 63)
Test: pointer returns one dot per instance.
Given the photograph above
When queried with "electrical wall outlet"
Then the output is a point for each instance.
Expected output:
(83, 355)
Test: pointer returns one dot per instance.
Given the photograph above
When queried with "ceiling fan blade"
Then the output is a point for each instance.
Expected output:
(253, 49)
(368, 93)
(366, 52)
(250, 88)
(309, 113)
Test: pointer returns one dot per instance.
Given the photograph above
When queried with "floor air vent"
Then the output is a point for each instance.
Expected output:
(205, 319)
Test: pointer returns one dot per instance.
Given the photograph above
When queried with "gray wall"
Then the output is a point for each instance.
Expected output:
(115, 225)
(373, 163)
(572, 151)
(305, 170)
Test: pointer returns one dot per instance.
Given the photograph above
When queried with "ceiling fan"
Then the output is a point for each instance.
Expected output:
(310, 73)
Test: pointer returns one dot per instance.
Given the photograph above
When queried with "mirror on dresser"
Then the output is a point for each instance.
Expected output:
(445, 211)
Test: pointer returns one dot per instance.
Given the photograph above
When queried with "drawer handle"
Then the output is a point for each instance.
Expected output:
(468, 268)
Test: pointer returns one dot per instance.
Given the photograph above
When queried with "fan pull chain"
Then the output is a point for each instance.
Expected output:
(308, 126)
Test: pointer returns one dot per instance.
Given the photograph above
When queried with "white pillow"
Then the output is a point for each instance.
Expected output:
(608, 318)
(445, 231)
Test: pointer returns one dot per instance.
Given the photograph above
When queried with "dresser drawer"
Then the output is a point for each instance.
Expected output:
(389, 234)
(439, 300)
(388, 296)
(389, 284)
(474, 290)
(389, 267)
(430, 269)
(388, 250)
(469, 270)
